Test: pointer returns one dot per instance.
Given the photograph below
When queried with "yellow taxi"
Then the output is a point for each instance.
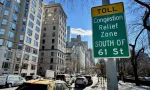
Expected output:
(44, 84)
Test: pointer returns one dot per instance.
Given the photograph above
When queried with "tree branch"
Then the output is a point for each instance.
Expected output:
(138, 36)
(131, 45)
(147, 14)
(142, 49)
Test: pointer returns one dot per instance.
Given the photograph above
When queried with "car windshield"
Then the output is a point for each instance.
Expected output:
(28, 86)
(80, 79)
(60, 77)
(88, 77)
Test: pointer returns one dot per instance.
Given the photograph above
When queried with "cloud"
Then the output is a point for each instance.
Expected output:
(79, 31)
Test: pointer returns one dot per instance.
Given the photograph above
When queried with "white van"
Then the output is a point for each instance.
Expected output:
(11, 80)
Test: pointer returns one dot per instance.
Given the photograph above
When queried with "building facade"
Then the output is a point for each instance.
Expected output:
(53, 39)
(20, 31)
(68, 34)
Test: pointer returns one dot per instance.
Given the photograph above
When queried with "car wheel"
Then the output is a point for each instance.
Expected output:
(9, 85)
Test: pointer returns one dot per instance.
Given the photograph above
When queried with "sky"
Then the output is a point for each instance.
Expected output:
(79, 17)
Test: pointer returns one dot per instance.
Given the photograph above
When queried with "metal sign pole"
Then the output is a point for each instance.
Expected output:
(111, 73)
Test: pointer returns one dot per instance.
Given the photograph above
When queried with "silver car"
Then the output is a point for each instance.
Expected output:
(81, 82)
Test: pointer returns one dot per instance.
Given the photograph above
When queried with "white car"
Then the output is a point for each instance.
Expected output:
(81, 82)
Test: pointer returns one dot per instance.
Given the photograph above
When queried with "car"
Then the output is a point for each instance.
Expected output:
(44, 84)
(81, 82)
(32, 77)
(11, 80)
(89, 78)
(64, 77)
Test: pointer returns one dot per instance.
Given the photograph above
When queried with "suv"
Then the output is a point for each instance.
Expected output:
(89, 78)
(81, 82)
(44, 84)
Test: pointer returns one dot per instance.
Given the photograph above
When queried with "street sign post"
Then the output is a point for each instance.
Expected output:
(109, 32)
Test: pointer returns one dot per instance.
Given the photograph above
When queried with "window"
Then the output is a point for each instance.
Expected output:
(51, 67)
(26, 57)
(27, 48)
(6, 12)
(21, 37)
(16, 67)
(1, 8)
(44, 28)
(35, 51)
(9, 44)
(20, 46)
(31, 17)
(53, 34)
(24, 66)
(52, 47)
(43, 47)
(34, 58)
(33, 3)
(11, 34)
(25, 13)
(6, 65)
(55, 9)
(40, 10)
(26, 6)
(29, 32)
(37, 29)
(51, 60)
(36, 36)
(39, 16)
(4, 22)
(2, 31)
(24, 21)
(30, 24)
(22, 29)
(52, 53)
(44, 34)
(8, 54)
(32, 67)
(33, 10)
(28, 40)
(1, 41)
(14, 17)
(43, 41)
(53, 27)
(53, 40)
(36, 43)
(13, 25)
(8, 3)
(40, 4)
(2, 1)
(16, 9)
(38, 22)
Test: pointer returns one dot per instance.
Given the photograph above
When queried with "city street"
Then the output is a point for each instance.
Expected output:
(87, 88)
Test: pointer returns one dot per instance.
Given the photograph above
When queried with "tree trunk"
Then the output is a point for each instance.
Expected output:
(134, 68)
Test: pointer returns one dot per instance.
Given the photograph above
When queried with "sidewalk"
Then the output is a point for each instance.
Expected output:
(102, 85)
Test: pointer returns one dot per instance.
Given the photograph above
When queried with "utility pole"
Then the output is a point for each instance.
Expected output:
(111, 73)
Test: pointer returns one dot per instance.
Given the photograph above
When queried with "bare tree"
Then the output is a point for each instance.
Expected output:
(138, 25)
